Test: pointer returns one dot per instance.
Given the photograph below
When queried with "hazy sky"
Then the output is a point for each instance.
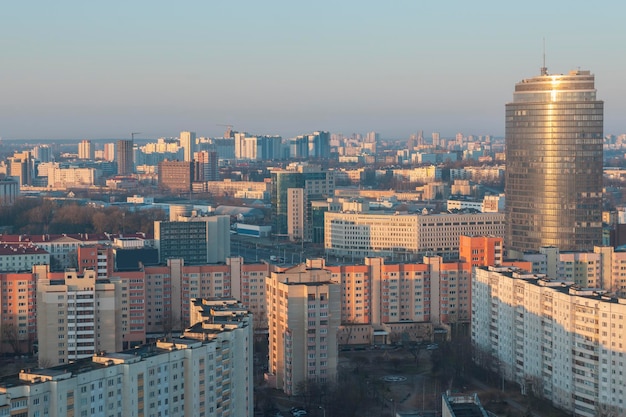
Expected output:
(83, 69)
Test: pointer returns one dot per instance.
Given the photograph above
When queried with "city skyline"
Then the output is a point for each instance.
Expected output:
(75, 70)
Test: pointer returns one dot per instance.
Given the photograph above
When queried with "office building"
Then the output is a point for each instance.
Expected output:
(188, 143)
(125, 159)
(317, 185)
(557, 340)
(208, 373)
(86, 150)
(306, 314)
(554, 163)
(176, 176)
(197, 240)
(404, 236)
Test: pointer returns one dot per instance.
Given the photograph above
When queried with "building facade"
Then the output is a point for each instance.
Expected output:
(86, 150)
(554, 129)
(197, 240)
(404, 236)
(317, 184)
(206, 374)
(304, 306)
(562, 342)
(176, 176)
(188, 143)
(124, 157)
(77, 316)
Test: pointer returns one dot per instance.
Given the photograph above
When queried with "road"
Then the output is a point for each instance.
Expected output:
(256, 250)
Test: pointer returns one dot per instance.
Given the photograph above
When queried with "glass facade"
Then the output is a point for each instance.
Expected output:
(554, 129)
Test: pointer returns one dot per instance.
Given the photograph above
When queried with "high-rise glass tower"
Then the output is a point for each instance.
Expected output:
(554, 163)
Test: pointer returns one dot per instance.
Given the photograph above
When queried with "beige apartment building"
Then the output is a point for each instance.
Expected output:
(304, 316)
(77, 316)
(564, 342)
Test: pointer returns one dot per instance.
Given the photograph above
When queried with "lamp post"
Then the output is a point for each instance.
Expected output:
(323, 410)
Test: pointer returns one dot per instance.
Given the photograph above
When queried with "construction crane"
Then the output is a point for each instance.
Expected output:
(229, 130)
(132, 135)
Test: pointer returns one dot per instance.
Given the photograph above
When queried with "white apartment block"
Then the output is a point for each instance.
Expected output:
(564, 342)
(77, 316)
(402, 236)
(304, 312)
(21, 257)
(72, 177)
(206, 377)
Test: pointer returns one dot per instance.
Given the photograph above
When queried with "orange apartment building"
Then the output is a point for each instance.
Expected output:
(18, 319)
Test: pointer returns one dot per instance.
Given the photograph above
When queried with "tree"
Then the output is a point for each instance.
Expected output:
(10, 335)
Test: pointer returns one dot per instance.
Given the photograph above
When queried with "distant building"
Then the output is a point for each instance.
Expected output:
(125, 160)
(197, 240)
(257, 148)
(109, 152)
(9, 191)
(188, 143)
(21, 166)
(42, 153)
(86, 150)
(317, 184)
(176, 176)
(208, 166)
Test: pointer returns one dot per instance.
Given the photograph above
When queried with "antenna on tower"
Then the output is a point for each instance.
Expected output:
(544, 69)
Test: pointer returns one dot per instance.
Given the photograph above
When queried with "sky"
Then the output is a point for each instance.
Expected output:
(82, 69)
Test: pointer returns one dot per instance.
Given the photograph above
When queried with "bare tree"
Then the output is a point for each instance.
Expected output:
(10, 335)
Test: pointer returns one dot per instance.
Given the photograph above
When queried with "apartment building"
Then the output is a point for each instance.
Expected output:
(304, 316)
(603, 268)
(564, 342)
(77, 316)
(207, 373)
(404, 236)
(97, 257)
(17, 316)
